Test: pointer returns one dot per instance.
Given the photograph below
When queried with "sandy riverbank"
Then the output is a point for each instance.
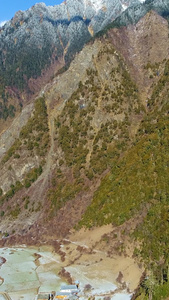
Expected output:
(86, 251)
(85, 255)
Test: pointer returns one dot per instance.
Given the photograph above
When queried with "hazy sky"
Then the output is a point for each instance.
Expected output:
(9, 7)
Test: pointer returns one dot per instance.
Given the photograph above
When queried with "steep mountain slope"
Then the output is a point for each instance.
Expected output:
(94, 149)
(89, 132)
(37, 43)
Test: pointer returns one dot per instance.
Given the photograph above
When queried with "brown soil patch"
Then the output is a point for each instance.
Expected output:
(86, 251)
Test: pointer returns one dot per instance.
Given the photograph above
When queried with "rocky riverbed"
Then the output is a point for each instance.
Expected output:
(25, 271)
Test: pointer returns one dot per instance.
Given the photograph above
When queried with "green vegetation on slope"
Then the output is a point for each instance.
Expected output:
(21, 65)
(161, 90)
(33, 140)
(77, 132)
(6, 109)
(151, 288)
(93, 130)
(63, 192)
(140, 179)
(136, 179)
(34, 136)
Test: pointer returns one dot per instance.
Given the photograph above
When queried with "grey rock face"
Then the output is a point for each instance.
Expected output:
(138, 10)
(33, 38)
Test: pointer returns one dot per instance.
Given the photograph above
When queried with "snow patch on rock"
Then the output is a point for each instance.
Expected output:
(97, 4)
(2, 23)
(124, 6)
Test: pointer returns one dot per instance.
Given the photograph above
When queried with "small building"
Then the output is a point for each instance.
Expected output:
(72, 289)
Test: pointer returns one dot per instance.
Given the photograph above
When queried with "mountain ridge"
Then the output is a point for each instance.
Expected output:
(137, 11)
(43, 38)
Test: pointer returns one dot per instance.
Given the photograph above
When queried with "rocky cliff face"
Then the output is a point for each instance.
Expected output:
(38, 42)
(138, 10)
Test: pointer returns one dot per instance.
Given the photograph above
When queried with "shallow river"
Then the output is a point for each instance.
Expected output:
(28, 271)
